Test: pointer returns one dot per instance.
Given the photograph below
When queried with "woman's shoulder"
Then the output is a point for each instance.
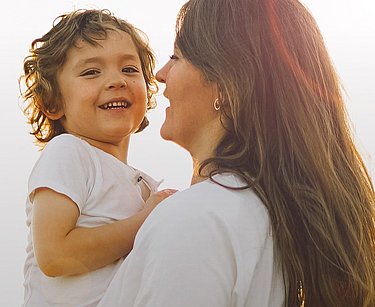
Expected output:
(210, 200)
(210, 211)
(222, 190)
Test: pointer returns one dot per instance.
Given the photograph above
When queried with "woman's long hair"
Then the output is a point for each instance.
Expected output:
(289, 137)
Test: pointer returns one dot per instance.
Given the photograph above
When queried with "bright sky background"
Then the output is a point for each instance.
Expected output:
(348, 27)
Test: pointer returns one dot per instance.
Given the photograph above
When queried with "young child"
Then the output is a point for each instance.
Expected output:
(89, 82)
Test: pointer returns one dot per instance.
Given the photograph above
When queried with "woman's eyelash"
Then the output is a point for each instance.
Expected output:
(173, 57)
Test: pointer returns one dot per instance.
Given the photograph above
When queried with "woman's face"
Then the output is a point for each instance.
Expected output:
(191, 120)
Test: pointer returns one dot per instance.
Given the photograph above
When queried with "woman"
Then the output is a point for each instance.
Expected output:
(281, 207)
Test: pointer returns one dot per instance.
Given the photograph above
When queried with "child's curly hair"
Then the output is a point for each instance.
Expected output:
(48, 54)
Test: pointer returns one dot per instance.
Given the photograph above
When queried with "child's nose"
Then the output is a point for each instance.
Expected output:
(117, 81)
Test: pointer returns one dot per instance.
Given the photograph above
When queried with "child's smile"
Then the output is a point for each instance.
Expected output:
(116, 104)
(106, 77)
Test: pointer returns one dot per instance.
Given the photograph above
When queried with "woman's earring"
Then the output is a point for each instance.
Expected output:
(217, 104)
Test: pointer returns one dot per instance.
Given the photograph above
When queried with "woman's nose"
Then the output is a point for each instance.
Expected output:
(162, 74)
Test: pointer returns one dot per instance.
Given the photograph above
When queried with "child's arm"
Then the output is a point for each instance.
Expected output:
(61, 248)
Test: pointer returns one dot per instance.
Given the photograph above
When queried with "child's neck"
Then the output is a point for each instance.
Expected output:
(119, 150)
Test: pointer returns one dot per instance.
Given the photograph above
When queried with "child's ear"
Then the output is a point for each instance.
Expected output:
(54, 115)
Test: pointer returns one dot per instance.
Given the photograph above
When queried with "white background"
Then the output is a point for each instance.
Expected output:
(348, 27)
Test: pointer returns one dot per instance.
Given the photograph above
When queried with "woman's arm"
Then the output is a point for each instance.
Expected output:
(61, 248)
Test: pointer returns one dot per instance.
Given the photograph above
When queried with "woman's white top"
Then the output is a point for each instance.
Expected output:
(104, 190)
(207, 246)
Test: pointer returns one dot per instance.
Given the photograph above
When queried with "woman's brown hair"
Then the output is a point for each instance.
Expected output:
(288, 136)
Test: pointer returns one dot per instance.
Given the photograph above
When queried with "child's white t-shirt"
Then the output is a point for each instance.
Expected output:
(104, 189)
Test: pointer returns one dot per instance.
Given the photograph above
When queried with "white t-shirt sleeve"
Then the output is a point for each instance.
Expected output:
(65, 167)
(183, 259)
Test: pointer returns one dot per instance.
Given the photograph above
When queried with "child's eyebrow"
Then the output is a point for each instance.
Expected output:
(99, 59)
(85, 61)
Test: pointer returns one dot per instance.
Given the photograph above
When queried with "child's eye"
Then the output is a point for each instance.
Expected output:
(173, 57)
(90, 72)
(130, 69)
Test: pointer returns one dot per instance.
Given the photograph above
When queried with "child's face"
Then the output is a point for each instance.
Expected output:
(103, 90)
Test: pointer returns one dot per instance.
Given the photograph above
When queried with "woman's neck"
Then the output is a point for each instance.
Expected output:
(200, 175)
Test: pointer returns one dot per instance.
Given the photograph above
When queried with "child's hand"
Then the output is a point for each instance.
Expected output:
(157, 197)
